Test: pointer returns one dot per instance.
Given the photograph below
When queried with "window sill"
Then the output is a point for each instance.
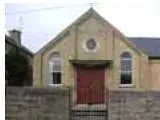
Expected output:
(126, 86)
(55, 85)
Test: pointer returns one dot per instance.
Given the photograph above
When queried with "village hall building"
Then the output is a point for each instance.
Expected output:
(92, 57)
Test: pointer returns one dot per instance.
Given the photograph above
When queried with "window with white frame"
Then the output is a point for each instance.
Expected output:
(126, 68)
(55, 68)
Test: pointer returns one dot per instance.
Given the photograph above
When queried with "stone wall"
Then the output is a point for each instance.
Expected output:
(53, 104)
(36, 103)
(132, 105)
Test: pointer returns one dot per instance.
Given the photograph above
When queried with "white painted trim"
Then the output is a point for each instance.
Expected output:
(126, 71)
(55, 85)
(126, 85)
(126, 59)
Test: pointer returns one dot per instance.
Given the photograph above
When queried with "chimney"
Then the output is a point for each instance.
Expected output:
(16, 35)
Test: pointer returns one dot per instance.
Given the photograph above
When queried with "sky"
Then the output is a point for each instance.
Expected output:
(41, 22)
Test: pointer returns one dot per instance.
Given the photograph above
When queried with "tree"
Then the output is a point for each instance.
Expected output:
(18, 69)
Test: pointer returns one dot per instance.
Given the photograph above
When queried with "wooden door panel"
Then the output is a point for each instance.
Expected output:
(90, 85)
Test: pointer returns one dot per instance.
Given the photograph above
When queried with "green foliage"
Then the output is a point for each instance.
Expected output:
(18, 69)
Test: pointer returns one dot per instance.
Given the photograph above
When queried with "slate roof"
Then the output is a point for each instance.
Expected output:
(149, 45)
(10, 41)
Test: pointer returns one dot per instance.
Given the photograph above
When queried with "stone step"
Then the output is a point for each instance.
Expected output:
(89, 113)
(88, 118)
(86, 107)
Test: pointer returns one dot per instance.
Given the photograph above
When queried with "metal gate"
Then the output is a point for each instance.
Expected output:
(90, 85)
(88, 111)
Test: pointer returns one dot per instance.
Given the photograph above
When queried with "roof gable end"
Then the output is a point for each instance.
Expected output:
(81, 19)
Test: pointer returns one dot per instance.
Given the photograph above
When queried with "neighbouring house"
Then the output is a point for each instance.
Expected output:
(13, 42)
(92, 57)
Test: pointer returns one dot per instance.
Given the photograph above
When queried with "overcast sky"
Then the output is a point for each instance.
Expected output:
(132, 17)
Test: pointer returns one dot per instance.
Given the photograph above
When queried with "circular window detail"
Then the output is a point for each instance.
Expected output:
(91, 44)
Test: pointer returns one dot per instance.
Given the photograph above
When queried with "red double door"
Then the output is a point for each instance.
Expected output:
(90, 85)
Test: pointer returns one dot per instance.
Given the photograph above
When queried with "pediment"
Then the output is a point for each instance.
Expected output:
(90, 15)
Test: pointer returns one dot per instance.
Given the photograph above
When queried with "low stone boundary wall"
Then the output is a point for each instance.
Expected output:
(36, 103)
(132, 105)
(54, 103)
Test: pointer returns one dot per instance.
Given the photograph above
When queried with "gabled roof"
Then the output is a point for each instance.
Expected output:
(149, 45)
(90, 12)
(10, 41)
